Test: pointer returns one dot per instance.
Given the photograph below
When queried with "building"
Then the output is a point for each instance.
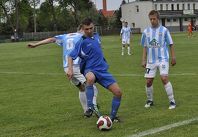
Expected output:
(106, 13)
(174, 14)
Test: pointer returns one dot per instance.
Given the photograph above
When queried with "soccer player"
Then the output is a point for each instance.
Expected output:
(155, 41)
(67, 42)
(190, 28)
(125, 34)
(95, 68)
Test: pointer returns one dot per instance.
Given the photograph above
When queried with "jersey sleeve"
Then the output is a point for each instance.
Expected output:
(60, 39)
(168, 38)
(77, 48)
(143, 39)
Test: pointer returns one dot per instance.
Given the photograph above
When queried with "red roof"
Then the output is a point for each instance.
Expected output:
(106, 13)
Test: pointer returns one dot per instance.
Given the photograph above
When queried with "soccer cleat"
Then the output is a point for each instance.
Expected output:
(122, 54)
(96, 111)
(116, 120)
(172, 105)
(129, 54)
(148, 104)
(88, 113)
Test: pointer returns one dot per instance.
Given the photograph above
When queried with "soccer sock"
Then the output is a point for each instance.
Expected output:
(122, 49)
(169, 90)
(90, 95)
(83, 100)
(129, 50)
(115, 105)
(95, 95)
(149, 92)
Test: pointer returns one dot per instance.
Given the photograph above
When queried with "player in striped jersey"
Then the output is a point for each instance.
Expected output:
(155, 41)
(125, 34)
(67, 42)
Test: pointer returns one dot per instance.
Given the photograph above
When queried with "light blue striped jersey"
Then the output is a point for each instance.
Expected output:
(125, 32)
(68, 41)
(156, 41)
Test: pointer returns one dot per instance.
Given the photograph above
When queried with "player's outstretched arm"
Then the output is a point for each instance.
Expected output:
(42, 42)
(173, 58)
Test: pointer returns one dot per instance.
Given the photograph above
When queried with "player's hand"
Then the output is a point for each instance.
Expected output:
(69, 74)
(144, 64)
(173, 61)
(31, 45)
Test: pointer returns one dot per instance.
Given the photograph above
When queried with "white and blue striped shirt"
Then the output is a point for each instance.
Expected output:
(156, 41)
(68, 41)
(125, 32)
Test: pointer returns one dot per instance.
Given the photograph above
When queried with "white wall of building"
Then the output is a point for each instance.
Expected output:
(137, 13)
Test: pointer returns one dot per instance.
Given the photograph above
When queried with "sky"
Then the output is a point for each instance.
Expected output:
(111, 4)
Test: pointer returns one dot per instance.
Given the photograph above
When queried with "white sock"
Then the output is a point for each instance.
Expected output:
(95, 95)
(149, 92)
(169, 90)
(83, 100)
(129, 50)
(122, 49)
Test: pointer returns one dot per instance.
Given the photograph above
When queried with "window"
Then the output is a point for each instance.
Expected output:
(168, 20)
(174, 20)
(193, 6)
(161, 6)
(185, 19)
(177, 6)
(155, 6)
(183, 6)
(172, 6)
(137, 8)
(188, 6)
(166, 6)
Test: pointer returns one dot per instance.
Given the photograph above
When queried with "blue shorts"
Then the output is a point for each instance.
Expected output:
(104, 78)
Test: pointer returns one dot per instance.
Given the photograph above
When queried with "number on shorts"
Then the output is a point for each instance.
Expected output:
(147, 70)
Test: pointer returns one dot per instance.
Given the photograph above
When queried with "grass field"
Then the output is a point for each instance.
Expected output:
(36, 99)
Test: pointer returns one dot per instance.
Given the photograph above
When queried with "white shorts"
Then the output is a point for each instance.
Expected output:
(77, 76)
(151, 69)
(125, 41)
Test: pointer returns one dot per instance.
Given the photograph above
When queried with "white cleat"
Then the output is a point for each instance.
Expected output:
(148, 104)
(172, 105)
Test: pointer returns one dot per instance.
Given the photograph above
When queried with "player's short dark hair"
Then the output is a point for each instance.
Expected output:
(87, 21)
(154, 12)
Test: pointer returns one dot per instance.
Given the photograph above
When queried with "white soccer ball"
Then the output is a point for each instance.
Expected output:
(104, 123)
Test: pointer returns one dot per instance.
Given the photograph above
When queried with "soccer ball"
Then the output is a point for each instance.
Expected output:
(104, 123)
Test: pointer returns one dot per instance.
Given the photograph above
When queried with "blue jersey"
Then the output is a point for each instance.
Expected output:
(68, 41)
(156, 41)
(89, 50)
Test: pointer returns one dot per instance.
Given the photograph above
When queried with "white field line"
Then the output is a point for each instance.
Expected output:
(164, 128)
(117, 75)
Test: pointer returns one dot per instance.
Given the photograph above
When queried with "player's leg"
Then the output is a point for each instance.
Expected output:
(123, 46)
(150, 73)
(115, 89)
(90, 77)
(128, 47)
(164, 68)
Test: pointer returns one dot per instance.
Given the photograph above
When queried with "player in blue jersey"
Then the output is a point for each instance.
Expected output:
(94, 67)
(125, 34)
(67, 42)
(156, 41)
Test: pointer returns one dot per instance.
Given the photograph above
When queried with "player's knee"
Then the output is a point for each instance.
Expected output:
(117, 93)
(149, 83)
(90, 80)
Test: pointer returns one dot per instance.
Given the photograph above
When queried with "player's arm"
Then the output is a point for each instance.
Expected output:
(144, 57)
(42, 42)
(172, 52)
(70, 68)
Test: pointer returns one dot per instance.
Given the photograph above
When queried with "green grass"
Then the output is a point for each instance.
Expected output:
(37, 100)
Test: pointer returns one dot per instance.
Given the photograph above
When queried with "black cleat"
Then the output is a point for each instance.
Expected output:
(88, 113)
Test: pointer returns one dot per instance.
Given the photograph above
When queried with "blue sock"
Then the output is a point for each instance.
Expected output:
(115, 105)
(90, 95)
